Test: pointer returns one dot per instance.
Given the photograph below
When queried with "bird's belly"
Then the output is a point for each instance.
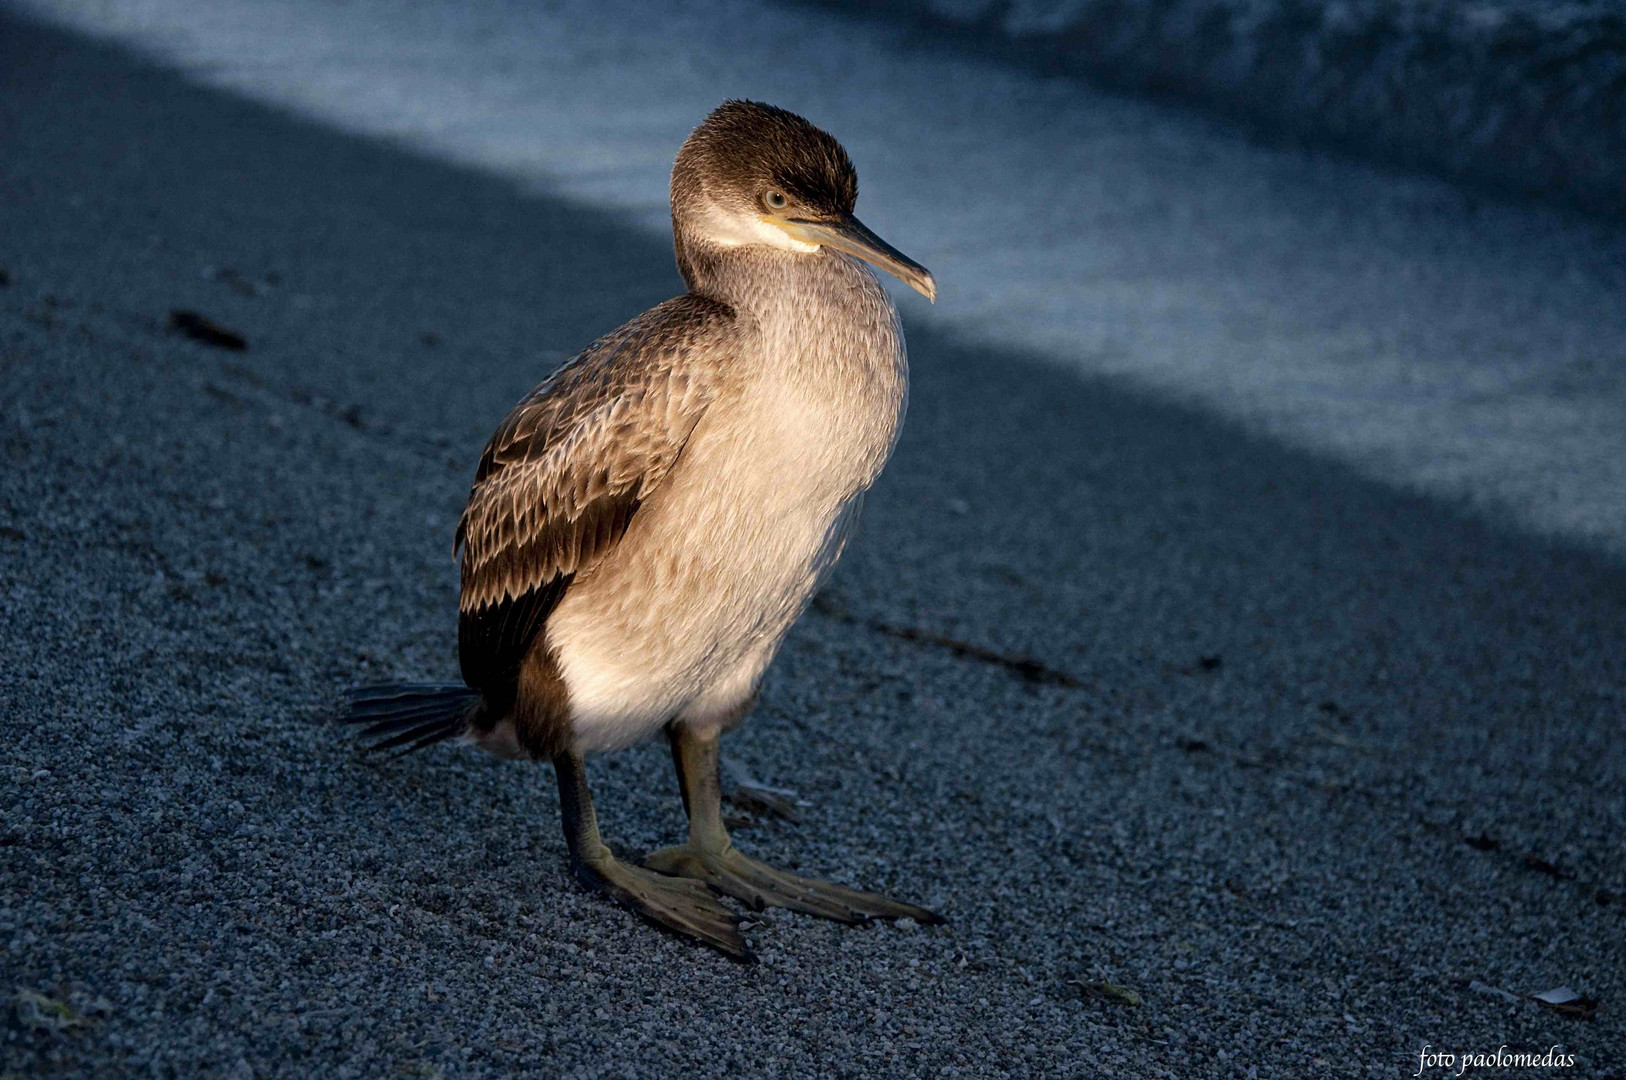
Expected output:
(692, 604)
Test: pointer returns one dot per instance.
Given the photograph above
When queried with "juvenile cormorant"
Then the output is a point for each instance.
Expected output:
(646, 526)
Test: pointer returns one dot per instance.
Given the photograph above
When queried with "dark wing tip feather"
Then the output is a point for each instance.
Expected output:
(428, 713)
(420, 735)
(382, 692)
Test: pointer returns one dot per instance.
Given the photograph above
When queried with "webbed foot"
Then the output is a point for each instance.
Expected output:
(679, 904)
(684, 907)
(759, 885)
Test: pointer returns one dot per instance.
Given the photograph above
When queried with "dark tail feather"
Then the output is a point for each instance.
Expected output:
(420, 714)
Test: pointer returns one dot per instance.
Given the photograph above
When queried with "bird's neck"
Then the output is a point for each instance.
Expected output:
(731, 275)
(772, 287)
(823, 331)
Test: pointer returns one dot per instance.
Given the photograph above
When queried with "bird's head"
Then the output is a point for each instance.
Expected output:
(753, 174)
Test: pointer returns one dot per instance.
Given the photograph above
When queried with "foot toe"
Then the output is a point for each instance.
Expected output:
(682, 905)
(760, 885)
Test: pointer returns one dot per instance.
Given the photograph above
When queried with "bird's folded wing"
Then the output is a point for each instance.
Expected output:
(566, 471)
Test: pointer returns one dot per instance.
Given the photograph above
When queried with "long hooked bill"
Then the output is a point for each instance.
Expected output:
(848, 234)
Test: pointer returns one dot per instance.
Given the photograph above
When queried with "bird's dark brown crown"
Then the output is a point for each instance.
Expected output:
(746, 147)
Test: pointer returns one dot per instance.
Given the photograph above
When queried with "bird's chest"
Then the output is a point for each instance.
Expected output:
(820, 442)
(821, 412)
(767, 486)
(769, 477)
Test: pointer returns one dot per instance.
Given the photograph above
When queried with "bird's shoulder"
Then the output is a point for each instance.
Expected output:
(632, 386)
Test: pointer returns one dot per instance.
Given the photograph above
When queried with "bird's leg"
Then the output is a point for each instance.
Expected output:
(684, 906)
(710, 854)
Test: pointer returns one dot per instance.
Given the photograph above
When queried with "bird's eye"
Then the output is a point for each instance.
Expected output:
(775, 200)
